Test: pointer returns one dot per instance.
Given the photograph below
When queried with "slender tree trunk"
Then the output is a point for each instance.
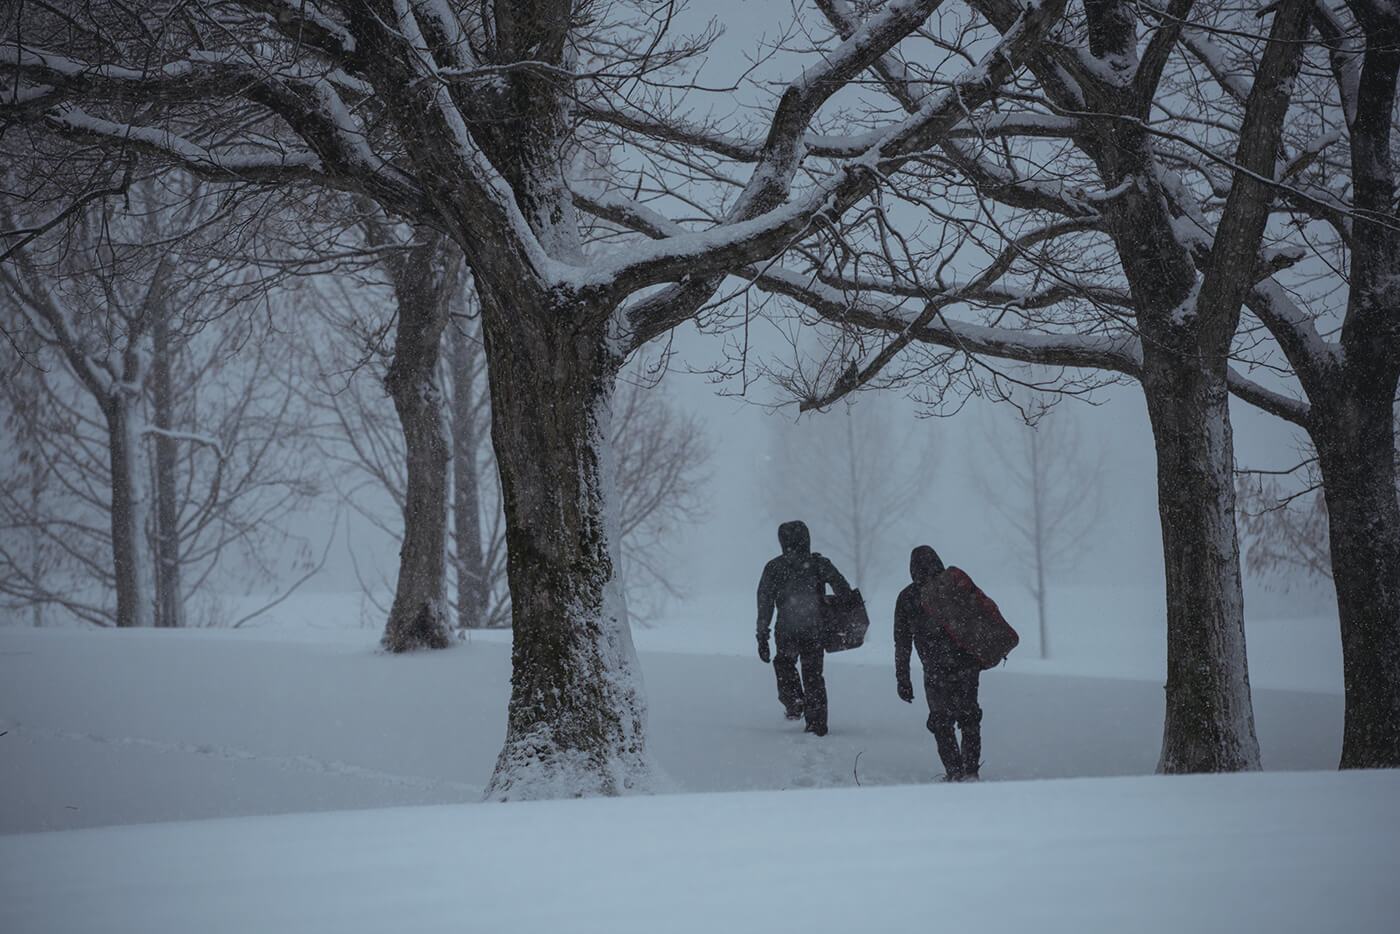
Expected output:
(36, 554)
(170, 605)
(858, 517)
(1355, 439)
(132, 561)
(418, 617)
(1038, 520)
(472, 586)
(1209, 715)
(30, 426)
(576, 724)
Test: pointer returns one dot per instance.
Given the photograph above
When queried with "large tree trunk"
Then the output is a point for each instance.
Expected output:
(472, 586)
(170, 606)
(132, 561)
(576, 725)
(1187, 323)
(1355, 439)
(1209, 723)
(418, 617)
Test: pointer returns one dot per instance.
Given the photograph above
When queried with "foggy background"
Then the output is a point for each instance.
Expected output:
(1107, 596)
(1104, 598)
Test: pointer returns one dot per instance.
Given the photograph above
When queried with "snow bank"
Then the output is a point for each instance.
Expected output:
(1266, 852)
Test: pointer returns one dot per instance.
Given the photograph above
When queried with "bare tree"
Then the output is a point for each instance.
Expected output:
(427, 279)
(97, 319)
(25, 482)
(1284, 521)
(1047, 492)
(128, 354)
(1284, 534)
(362, 435)
(662, 457)
(855, 474)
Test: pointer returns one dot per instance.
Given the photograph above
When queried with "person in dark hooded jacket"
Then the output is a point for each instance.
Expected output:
(950, 674)
(793, 583)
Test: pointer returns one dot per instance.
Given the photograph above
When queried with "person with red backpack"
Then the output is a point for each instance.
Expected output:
(940, 606)
(794, 583)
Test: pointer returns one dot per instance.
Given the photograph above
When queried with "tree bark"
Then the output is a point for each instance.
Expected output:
(1355, 440)
(472, 586)
(1351, 393)
(170, 605)
(1209, 722)
(576, 724)
(1187, 325)
(1355, 436)
(1209, 725)
(132, 561)
(418, 617)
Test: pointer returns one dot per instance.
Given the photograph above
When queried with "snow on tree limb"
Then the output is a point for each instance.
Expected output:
(730, 245)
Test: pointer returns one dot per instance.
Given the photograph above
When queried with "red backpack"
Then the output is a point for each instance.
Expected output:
(969, 617)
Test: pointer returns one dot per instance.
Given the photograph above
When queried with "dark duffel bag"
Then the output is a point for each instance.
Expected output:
(970, 617)
(844, 621)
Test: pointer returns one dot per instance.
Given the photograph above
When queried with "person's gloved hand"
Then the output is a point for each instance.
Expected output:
(906, 692)
(763, 654)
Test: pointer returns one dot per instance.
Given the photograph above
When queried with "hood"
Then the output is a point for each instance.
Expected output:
(924, 564)
(794, 538)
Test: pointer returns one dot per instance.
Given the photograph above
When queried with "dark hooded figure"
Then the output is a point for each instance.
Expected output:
(950, 674)
(794, 583)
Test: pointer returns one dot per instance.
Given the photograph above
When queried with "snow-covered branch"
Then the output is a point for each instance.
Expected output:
(730, 245)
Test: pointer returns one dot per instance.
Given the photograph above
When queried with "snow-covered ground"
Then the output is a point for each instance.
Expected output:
(110, 727)
(261, 726)
(1269, 853)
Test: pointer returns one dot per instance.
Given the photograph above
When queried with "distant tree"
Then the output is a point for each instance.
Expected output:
(662, 461)
(1284, 524)
(426, 277)
(1047, 493)
(146, 454)
(1284, 534)
(854, 475)
(25, 480)
(478, 557)
(361, 439)
(661, 455)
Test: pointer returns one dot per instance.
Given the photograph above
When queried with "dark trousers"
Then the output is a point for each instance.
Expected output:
(952, 702)
(808, 692)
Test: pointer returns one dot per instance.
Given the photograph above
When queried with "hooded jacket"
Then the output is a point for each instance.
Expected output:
(916, 629)
(793, 583)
